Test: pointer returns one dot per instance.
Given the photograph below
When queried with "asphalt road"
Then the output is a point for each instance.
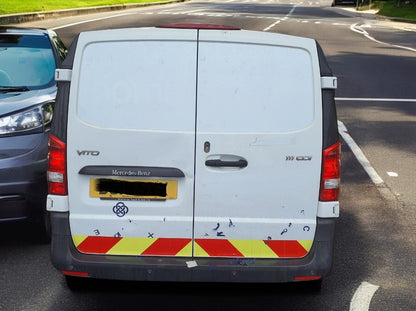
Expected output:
(376, 240)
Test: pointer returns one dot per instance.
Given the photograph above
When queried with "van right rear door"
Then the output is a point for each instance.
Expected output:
(258, 145)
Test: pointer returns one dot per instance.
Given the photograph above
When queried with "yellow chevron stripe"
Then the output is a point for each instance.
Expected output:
(307, 244)
(131, 246)
(253, 248)
(78, 239)
(186, 251)
(199, 251)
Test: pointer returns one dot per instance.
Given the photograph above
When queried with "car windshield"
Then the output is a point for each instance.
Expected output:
(26, 62)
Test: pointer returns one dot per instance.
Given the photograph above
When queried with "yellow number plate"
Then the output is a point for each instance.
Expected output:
(110, 188)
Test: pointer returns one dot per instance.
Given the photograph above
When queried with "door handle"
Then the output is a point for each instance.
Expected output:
(220, 163)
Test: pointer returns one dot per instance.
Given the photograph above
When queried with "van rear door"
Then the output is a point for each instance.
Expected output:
(258, 145)
(186, 142)
(132, 127)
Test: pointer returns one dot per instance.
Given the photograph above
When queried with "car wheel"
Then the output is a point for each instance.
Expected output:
(312, 287)
(74, 283)
(79, 284)
(46, 227)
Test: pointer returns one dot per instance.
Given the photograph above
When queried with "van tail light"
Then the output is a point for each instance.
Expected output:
(331, 173)
(57, 179)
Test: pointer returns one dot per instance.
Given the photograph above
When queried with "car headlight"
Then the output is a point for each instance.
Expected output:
(34, 120)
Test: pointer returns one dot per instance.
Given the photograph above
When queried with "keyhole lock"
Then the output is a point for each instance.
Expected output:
(207, 147)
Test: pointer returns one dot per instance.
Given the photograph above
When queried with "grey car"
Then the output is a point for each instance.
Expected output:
(28, 59)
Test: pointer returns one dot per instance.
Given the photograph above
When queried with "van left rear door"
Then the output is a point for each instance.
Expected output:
(132, 121)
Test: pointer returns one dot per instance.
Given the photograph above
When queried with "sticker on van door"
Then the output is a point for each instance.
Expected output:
(120, 209)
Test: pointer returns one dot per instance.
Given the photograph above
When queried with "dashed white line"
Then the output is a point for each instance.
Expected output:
(278, 21)
(359, 154)
(272, 25)
(362, 297)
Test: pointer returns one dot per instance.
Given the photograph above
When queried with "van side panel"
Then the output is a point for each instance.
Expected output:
(60, 118)
(329, 113)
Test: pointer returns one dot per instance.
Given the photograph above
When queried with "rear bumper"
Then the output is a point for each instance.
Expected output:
(318, 262)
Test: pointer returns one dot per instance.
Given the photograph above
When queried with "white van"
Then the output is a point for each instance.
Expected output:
(194, 153)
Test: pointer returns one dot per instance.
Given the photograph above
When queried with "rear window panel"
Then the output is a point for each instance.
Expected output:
(154, 85)
(261, 88)
(138, 85)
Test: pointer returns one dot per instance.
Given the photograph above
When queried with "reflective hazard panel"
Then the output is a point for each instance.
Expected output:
(183, 247)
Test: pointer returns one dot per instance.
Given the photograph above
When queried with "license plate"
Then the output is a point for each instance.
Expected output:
(110, 188)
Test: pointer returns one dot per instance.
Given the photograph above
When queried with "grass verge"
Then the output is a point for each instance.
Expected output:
(19, 6)
(406, 9)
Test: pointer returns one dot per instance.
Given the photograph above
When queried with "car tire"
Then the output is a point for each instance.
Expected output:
(75, 283)
(45, 228)
(42, 226)
(311, 287)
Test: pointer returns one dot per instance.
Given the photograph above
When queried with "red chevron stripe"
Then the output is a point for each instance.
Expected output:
(97, 244)
(219, 248)
(286, 249)
(166, 246)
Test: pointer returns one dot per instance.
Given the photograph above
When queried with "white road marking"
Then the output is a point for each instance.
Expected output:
(359, 154)
(277, 22)
(408, 100)
(91, 20)
(272, 25)
(362, 297)
(360, 30)
(193, 11)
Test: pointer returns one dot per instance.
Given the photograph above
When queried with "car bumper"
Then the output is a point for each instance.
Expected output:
(69, 260)
(23, 186)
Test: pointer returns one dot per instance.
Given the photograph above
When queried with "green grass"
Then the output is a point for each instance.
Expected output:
(406, 9)
(23, 6)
